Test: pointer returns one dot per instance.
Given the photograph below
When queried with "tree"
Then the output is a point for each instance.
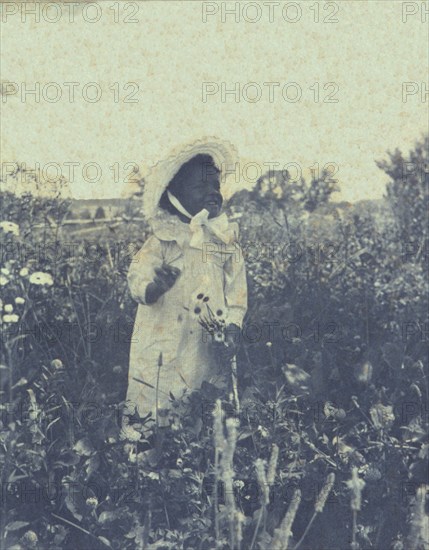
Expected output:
(277, 191)
(408, 194)
(99, 213)
(319, 192)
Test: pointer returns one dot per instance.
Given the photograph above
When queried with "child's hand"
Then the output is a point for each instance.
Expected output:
(165, 277)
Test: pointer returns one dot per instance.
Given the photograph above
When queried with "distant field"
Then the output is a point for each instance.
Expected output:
(103, 228)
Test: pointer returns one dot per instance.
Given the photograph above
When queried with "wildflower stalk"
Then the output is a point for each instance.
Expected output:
(258, 523)
(319, 505)
(10, 372)
(146, 529)
(265, 497)
(83, 339)
(215, 327)
(354, 544)
(356, 485)
(228, 477)
(219, 446)
(215, 496)
(272, 465)
(157, 389)
(235, 384)
(419, 523)
(224, 457)
(262, 480)
(224, 471)
(283, 533)
(79, 528)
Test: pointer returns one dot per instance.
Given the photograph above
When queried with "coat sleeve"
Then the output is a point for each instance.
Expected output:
(235, 286)
(142, 268)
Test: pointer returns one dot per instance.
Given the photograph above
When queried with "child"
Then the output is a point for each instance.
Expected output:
(190, 268)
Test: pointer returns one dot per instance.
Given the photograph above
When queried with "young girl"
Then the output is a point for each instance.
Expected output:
(189, 269)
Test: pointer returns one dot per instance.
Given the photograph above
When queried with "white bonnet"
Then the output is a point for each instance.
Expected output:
(159, 176)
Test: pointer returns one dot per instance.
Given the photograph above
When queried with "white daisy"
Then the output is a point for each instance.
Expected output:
(10, 227)
(41, 278)
(11, 318)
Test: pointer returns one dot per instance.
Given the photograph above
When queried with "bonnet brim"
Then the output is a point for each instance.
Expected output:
(159, 176)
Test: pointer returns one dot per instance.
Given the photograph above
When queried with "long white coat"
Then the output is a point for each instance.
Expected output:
(171, 325)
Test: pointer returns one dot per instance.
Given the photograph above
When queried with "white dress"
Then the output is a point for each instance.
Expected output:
(171, 325)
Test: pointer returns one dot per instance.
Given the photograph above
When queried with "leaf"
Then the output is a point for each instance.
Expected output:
(363, 372)
(14, 478)
(174, 474)
(60, 535)
(245, 434)
(15, 525)
(424, 451)
(107, 517)
(69, 502)
(296, 377)
(33, 400)
(382, 416)
(344, 450)
(83, 447)
(105, 541)
(414, 431)
(264, 540)
(69, 458)
(92, 465)
(152, 475)
(21, 382)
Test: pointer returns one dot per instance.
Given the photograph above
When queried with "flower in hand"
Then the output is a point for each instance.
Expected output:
(225, 338)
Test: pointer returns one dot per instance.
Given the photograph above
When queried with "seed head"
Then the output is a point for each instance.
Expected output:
(324, 493)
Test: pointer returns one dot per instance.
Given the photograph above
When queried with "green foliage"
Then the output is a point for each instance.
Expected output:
(408, 193)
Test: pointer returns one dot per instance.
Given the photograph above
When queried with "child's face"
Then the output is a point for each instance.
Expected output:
(201, 190)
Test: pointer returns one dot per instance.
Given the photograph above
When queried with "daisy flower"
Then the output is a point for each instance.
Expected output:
(11, 318)
(10, 227)
(41, 278)
(57, 364)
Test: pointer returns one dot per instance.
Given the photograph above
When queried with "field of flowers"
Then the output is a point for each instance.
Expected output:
(326, 446)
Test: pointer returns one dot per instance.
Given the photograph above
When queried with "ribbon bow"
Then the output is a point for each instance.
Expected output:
(216, 226)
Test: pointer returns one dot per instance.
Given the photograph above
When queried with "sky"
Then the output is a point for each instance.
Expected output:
(339, 71)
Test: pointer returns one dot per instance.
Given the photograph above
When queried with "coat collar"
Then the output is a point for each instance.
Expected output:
(168, 227)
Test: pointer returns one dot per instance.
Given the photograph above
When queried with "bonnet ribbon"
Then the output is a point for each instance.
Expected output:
(217, 226)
